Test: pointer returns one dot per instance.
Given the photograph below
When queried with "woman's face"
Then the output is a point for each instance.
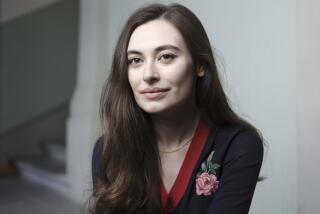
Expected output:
(160, 68)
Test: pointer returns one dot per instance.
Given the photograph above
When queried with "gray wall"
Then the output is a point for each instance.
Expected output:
(38, 62)
(308, 106)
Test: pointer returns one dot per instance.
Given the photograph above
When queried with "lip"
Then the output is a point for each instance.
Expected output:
(153, 90)
(154, 93)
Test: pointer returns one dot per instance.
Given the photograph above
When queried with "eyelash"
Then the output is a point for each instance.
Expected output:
(167, 56)
(130, 61)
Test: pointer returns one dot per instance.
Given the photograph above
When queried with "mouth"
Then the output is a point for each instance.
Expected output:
(154, 93)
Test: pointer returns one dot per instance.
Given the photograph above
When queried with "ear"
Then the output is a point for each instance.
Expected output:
(200, 71)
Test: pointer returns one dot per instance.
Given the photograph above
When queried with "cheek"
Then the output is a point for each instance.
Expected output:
(185, 88)
(133, 81)
(182, 80)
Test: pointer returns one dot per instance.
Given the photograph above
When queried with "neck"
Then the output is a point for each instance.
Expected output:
(173, 130)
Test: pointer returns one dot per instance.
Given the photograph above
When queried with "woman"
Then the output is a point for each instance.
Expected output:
(172, 144)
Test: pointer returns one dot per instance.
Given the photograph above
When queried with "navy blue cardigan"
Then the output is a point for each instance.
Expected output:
(239, 154)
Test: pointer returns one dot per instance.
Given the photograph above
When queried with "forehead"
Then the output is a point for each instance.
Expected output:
(155, 33)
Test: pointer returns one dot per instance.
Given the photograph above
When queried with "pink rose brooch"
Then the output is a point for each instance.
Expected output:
(206, 182)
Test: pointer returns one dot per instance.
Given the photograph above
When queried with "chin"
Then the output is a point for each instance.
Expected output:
(154, 108)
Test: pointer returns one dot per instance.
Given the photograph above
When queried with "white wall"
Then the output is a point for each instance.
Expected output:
(83, 124)
(308, 106)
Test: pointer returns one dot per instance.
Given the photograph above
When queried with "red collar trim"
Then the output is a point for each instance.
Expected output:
(171, 200)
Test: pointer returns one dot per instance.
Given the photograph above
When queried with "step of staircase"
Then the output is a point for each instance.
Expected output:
(55, 150)
(47, 172)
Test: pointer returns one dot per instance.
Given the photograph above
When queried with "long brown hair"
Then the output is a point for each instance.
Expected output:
(129, 179)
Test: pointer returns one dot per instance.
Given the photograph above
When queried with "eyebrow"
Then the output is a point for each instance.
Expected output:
(158, 49)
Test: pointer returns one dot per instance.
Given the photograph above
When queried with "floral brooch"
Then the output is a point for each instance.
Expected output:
(207, 182)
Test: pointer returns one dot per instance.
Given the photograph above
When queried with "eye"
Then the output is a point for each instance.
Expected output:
(134, 61)
(166, 58)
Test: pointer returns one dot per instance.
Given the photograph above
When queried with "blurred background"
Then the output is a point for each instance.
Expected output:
(55, 56)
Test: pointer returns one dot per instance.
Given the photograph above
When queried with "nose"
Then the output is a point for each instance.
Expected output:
(150, 73)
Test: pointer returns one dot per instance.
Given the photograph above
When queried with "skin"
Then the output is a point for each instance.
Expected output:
(162, 77)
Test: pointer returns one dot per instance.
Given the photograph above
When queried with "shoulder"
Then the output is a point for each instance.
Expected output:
(98, 147)
(96, 157)
(239, 136)
(238, 153)
(237, 141)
